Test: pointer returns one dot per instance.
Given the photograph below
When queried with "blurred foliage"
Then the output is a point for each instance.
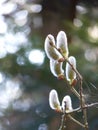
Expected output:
(25, 77)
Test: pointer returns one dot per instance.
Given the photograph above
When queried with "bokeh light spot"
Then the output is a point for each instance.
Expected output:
(2, 77)
(36, 57)
(93, 32)
(77, 22)
(91, 55)
(3, 25)
(43, 127)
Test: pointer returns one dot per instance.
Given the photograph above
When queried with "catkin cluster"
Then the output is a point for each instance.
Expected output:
(57, 52)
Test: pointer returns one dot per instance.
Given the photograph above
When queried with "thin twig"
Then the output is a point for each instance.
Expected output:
(79, 108)
(63, 126)
(75, 92)
(76, 121)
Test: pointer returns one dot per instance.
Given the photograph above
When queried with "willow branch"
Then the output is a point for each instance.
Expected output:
(80, 96)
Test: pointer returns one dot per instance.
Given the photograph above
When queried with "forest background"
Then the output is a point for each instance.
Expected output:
(25, 77)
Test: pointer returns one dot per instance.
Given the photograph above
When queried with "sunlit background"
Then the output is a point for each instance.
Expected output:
(25, 77)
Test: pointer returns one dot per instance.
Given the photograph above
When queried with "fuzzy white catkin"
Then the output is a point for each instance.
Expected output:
(56, 68)
(70, 74)
(51, 52)
(53, 100)
(67, 104)
(62, 43)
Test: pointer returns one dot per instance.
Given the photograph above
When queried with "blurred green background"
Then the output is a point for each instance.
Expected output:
(25, 77)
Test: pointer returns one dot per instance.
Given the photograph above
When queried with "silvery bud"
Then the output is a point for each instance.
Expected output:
(56, 69)
(67, 104)
(51, 52)
(54, 101)
(70, 73)
(62, 43)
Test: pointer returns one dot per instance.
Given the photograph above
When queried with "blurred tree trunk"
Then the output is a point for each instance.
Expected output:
(55, 13)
